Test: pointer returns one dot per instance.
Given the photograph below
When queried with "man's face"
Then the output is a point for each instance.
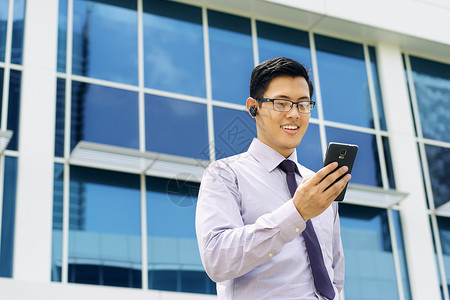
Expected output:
(282, 131)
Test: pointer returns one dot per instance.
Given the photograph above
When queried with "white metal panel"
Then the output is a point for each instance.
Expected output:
(32, 244)
(405, 158)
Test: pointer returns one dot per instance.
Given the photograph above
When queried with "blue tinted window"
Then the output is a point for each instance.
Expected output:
(105, 40)
(343, 81)
(8, 213)
(389, 168)
(309, 151)
(18, 27)
(231, 56)
(14, 107)
(175, 126)
(60, 116)
(444, 234)
(62, 36)
(438, 159)
(173, 258)
(366, 169)
(401, 254)
(432, 85)
(369, 261)
(174, 58)
(376, 83)
(234, 130)
(58, 182)
(1, 92)
(104, 227)
(276, 41)
(3, 23)
(104, 115)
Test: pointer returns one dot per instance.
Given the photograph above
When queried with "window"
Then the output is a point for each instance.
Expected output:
(343, 82)
(104, 115)
(369, 260)
(13, 108)
(104, 228)
(7, 217)
(233, 131)
(58, 191)
(175, 126)
(173, 58)
(105, 40)
(17, 31)
(173, 260)
(231, 56)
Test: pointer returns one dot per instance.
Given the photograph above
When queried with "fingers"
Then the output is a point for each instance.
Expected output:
(322, 173)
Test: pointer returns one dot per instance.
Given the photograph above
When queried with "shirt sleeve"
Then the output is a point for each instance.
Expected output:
(228, 248)
(338, 253)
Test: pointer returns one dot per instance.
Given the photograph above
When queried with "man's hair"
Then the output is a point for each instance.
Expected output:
(263, 74)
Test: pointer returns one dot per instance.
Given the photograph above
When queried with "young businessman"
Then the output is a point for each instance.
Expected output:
(259, 235)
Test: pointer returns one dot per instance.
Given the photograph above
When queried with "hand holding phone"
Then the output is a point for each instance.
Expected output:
(344, 155)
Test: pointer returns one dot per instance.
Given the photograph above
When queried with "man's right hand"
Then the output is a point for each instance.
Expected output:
(312, 196)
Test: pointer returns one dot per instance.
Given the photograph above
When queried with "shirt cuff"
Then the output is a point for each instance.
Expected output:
(290, 222)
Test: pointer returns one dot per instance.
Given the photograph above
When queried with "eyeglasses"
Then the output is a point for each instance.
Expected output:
(282, 105)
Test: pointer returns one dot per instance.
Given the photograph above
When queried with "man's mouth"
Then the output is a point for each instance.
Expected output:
(290, 127)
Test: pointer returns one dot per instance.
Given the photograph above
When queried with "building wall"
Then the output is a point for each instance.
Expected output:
(99, 181)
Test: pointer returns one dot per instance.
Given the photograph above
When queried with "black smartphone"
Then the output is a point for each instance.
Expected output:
(344, 155)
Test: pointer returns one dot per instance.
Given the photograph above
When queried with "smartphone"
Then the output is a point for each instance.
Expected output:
(344, 155)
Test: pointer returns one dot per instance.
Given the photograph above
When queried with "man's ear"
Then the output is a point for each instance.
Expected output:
(252, 106)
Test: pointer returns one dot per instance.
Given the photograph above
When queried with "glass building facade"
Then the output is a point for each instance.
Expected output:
(162, 85)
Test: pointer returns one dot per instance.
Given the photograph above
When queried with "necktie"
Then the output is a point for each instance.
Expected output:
(320, 274)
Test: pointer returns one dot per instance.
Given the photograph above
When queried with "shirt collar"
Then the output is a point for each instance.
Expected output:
(267, 156)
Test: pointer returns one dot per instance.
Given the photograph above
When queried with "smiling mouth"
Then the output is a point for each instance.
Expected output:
(290, 127)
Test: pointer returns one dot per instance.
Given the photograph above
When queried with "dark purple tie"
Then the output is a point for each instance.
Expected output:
(320, 274)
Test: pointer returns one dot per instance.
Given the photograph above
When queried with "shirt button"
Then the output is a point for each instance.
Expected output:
(270, 254)
(297, 229)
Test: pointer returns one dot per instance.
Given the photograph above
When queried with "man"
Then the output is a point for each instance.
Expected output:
(251, 228)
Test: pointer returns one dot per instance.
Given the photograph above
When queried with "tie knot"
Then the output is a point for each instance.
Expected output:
(288, 166)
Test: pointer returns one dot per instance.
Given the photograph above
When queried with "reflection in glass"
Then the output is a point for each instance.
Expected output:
(8, 213)
(277, 41)
(176, 127)
(60, 117)
(369, 261)
(376, 83)
(58, 190)
(104, 228)
(105, 40)
(18, 29)
(104, 115)
(173, 260)
(444, 234)
(231, 56)
(3, 24)
(388, 158)
(309, 152)
(1, 92)
(432, 85)
(62, 36)
(174, 58)
(438, 159)
(234, 130)
(343, 81)
(15, 78)
(366, 169)
(401, 254)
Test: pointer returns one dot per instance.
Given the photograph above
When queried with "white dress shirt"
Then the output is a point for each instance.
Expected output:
(249, 231)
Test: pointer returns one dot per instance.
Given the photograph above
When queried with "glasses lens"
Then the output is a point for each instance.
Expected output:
(282, 105)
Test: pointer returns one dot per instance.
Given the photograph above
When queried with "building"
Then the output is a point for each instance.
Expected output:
(111, 109)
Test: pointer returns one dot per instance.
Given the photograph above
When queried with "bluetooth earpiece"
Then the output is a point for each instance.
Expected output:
(253, 111)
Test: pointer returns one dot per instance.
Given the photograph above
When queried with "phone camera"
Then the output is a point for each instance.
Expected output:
(342, 153)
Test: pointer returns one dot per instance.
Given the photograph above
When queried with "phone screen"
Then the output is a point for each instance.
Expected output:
(344, 155)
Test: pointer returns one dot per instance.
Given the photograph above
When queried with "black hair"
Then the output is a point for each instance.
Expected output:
(263, 74)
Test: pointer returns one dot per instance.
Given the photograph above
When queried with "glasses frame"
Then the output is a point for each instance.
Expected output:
(311, 104)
